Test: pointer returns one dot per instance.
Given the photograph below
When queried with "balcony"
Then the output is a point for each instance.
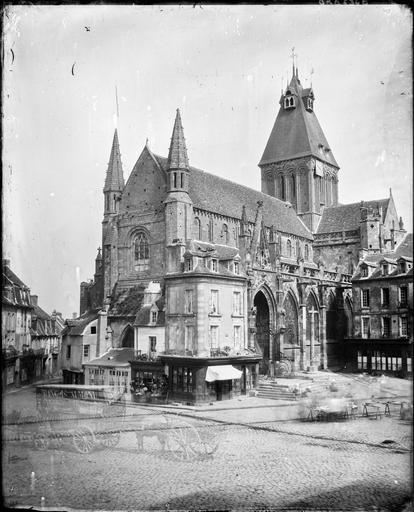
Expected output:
(151, 356)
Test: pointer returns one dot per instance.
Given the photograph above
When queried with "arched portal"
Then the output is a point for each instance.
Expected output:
(263, 328)
(128, 337)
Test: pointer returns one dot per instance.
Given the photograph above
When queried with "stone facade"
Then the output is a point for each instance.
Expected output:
(261, 279)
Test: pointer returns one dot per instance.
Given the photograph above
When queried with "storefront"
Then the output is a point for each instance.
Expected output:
(380, 356)
(194, 380)
(149, 383)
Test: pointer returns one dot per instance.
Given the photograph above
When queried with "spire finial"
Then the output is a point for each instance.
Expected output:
(293, 55)
(390, 192)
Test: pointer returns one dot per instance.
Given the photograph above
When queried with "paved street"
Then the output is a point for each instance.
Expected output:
(264, 459)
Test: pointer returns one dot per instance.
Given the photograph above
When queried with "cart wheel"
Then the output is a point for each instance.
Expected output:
(41, 441)
(108, 439)
(83, 439)
(183, 441)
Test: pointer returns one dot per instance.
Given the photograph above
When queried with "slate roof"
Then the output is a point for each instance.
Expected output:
(127, 302)
(14, 291)
(177, 155)
(114, 175)
(144, 317)
(221, 252)
(346, 217)
(218, 195)
(114, 357)
(403, 251)
(297, 133)
(75, 327)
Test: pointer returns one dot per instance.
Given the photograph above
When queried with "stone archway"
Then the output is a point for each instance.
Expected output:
(263, 329)
(127, 338)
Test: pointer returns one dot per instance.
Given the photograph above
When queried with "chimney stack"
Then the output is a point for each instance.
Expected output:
(33, 300)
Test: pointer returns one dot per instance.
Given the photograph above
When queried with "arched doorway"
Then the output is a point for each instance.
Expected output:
(263, 328)
(128, 337)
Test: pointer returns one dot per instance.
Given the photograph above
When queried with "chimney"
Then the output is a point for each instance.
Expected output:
(74, 315)
(33, 300)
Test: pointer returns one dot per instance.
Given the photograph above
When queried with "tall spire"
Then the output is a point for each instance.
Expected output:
(177, 156)
(114, 181)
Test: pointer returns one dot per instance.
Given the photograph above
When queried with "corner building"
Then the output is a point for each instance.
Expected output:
(229, 273)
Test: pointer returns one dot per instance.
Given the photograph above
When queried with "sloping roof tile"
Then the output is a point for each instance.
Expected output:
(114, 357)
(75, 327)
(218, 195)
(346, 217)
(297, 133)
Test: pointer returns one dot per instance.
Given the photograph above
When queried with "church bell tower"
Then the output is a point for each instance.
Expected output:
(297, 164)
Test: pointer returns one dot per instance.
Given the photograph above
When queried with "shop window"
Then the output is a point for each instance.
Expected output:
(365, 298)
(362, 361)
(183, 379)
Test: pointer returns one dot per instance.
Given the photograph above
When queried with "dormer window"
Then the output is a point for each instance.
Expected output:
(384, 269)
(364, 271)
(309, 104)
(214, 265)
(289, 102)
(188, 264)
(402, 267)
(236, 267)
(153, 317)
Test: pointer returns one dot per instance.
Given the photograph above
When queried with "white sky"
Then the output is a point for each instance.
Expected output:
(223, 67)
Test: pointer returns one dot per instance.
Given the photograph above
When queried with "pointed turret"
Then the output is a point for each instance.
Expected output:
(177, 155)
(179, 209)
(114, 182)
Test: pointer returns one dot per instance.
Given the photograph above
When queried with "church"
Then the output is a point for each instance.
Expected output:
(209, 283)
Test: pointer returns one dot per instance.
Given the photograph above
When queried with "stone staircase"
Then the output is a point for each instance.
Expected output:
(275, 391)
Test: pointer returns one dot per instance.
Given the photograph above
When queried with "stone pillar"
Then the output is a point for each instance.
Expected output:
(322, 327)
(302, 337)
(311, 366)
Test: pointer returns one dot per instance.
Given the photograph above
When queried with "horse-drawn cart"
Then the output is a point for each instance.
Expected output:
(85, 416)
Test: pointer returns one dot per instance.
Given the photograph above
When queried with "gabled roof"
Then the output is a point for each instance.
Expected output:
(114, 175)
(14, 291)
(114, 357)
(218, 195)
(297, 133)
(76, 326)
(347, 217)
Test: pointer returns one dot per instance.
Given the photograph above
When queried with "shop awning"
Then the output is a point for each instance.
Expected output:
(225, 372)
